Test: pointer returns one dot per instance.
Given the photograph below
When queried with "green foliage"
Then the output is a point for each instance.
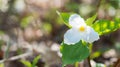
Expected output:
(117, 21)
(1, 32)
(80, 51)
(115, 3)
(72, 6)
(106, 26)
(95, 54)
(25, 21)
(1, 65)
(26, 63)
(47, 27)
(100, 26)
(64, 17)
(74, 53)
(90, 20)
(35, 61)
(29, 64)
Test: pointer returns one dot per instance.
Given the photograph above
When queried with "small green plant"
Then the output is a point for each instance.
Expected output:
(1, 65)
(77, 43)
(29, 64)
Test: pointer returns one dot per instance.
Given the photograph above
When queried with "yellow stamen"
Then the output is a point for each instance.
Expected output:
(82, 28)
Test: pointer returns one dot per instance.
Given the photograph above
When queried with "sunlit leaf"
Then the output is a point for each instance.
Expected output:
(95, 54)
(90, 20)
(35, 61)
(74, 53)
(26, 63)
(47, 27)
(117, 21)
(1, 32)
(106, 26)
(65, 17)
(25, 21)
(1, 65)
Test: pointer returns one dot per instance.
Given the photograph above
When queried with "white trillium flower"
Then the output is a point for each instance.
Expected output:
(79, 31)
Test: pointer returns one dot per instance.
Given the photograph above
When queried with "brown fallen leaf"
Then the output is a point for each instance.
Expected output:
(117, 64)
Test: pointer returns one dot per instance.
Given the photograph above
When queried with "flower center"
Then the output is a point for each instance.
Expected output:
(82, 28)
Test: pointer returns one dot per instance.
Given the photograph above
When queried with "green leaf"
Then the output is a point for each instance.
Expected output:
(90, 20)
(35, 61)
(26, 63)
(117, 21)
(1, 65)
(74, 53)
(95, 54)
(47, 27)
(25, 21)
(106, 26)
(64, 17)
(2, 32)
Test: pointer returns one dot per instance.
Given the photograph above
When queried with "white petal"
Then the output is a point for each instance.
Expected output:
(90, 35)
(75, 20)
(72, 36)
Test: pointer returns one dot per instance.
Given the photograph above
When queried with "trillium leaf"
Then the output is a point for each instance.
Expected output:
(74, 53)
(90, 20)
(106, 26)
(65, 17)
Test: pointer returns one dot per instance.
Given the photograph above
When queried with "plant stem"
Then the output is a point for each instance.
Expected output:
(77, 64)
(7, 50)
(88, 59)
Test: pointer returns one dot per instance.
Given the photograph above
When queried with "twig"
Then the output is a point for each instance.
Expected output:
(16, 57)
(88, 59)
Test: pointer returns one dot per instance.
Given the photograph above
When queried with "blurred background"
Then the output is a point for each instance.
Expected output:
(29, 28)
